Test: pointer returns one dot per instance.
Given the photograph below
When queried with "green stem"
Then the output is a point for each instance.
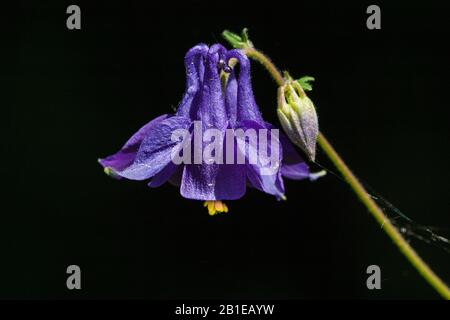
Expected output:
(266, 62)
(381, 218)
(361, 192)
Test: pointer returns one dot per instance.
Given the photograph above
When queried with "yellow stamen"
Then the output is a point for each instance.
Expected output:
(215, 207)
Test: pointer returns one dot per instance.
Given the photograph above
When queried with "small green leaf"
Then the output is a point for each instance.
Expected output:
(231, 37)
(244, 35)
(305, 82)
(237, 41)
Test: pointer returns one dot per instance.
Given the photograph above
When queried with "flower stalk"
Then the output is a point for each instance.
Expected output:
(266, 62)
(404, 247)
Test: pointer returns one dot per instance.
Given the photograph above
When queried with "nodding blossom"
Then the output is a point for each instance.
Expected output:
(218, 103)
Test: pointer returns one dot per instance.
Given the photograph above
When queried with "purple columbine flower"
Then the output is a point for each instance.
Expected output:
(214, 103)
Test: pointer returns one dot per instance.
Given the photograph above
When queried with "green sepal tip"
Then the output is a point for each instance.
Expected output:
(237, 41)
(304, 82)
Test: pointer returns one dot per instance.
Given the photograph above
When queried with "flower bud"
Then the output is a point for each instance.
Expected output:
(298, 117)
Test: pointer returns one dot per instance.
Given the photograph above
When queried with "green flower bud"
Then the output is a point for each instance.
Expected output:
(298, 117)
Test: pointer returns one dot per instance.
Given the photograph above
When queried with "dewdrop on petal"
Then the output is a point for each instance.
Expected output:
(298, 117)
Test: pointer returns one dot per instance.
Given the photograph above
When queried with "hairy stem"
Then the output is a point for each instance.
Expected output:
(381, 218)
(266, 62)
(361, 193)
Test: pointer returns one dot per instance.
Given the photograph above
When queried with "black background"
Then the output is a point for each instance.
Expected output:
(382, 99)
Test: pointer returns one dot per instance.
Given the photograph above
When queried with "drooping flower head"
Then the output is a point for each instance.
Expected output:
(217, 132)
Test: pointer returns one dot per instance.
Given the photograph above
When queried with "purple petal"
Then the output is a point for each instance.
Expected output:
(163, 176)
(298, 171)
(262, 177)
(195, 68)
(231, 90)
(293, 166)
(194, 65)
(176, 177)
(271, 184)
(213, 182)
(126, 155)
(156, 149)
(247, 109)
(212, 102)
